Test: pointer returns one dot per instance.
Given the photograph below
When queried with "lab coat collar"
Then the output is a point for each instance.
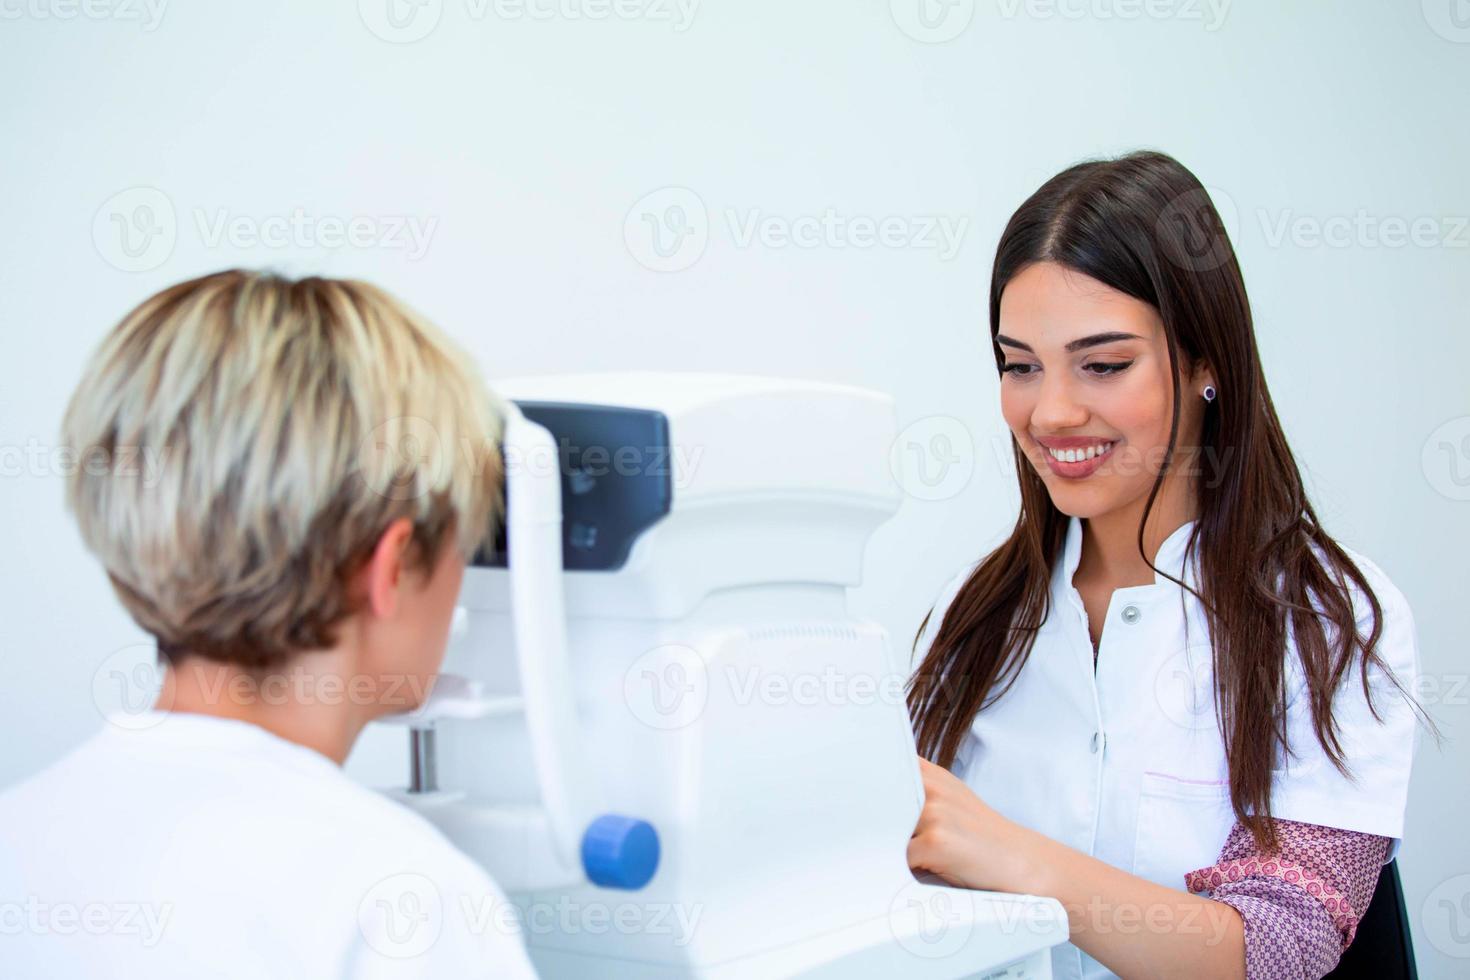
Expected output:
(1169, 559)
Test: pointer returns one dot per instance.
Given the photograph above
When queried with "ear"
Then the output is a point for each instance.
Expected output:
(383, 574)
(1203, 375)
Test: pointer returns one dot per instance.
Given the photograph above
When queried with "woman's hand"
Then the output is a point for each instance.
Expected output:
(964, 841)
(969, 845)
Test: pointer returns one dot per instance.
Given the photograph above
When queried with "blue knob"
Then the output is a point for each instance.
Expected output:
(620, 852)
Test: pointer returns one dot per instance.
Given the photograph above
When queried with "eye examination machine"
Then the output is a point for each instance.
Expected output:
(660, 730)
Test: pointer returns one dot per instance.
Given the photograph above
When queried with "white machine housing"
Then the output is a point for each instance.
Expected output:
(715, 686)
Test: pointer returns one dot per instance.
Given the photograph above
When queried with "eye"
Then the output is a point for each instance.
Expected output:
(1017, 370)
(1103, 369)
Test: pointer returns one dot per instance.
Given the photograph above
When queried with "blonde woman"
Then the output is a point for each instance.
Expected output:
(299, 574)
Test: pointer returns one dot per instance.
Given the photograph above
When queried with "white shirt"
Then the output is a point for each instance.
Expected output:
(1127, 764)
(178, 845)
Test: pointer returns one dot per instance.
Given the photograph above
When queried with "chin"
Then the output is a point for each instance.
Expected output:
(1079, 503)
(418, 689)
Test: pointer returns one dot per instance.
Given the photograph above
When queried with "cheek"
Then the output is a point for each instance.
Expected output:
(1015, 408)
(456, 577)
(1138, 408)
(449, 589)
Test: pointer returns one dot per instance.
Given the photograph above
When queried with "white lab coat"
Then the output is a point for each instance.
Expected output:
(176, 845)
(1128, 764)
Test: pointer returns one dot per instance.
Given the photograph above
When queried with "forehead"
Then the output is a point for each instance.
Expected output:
(1047, 305)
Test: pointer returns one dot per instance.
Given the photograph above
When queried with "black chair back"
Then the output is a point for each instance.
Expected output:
(1381, 949)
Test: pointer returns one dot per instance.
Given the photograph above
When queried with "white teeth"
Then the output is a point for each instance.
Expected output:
(1078, 455)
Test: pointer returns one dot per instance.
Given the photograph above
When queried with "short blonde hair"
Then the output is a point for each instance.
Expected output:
(288, 424)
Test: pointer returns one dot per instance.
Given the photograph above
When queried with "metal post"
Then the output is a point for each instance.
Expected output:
(423, 772)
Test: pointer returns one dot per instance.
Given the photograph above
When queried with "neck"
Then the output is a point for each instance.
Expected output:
(1110, 541)
(309, 701)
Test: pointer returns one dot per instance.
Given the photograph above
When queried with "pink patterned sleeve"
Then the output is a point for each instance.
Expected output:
(1300, 905)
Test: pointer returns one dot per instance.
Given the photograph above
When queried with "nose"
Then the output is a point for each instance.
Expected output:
(1057, 406)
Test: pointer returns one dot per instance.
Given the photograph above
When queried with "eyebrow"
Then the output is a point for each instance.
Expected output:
(1074, 346)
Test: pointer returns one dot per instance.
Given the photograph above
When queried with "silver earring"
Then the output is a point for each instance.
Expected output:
(1209, 393)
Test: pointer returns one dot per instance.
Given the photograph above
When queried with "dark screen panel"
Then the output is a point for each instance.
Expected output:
(617, 480)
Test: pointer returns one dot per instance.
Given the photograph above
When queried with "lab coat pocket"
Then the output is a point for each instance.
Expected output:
(1182, 825)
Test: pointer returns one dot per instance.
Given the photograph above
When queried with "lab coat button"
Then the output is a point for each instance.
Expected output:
(1131, 615)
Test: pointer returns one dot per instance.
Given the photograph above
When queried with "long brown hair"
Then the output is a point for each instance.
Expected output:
(1144, 225)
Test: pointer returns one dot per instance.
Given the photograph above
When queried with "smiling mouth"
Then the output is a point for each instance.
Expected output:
(1080, 455)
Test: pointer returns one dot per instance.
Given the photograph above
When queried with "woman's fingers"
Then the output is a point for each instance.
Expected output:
(928, 817)
(931, 775)
(925, 854)
(921, 854)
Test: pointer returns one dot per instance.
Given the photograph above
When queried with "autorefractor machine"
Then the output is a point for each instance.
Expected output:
(659, 725)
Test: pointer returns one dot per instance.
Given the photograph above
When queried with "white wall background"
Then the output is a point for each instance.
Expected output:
(520, 144)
